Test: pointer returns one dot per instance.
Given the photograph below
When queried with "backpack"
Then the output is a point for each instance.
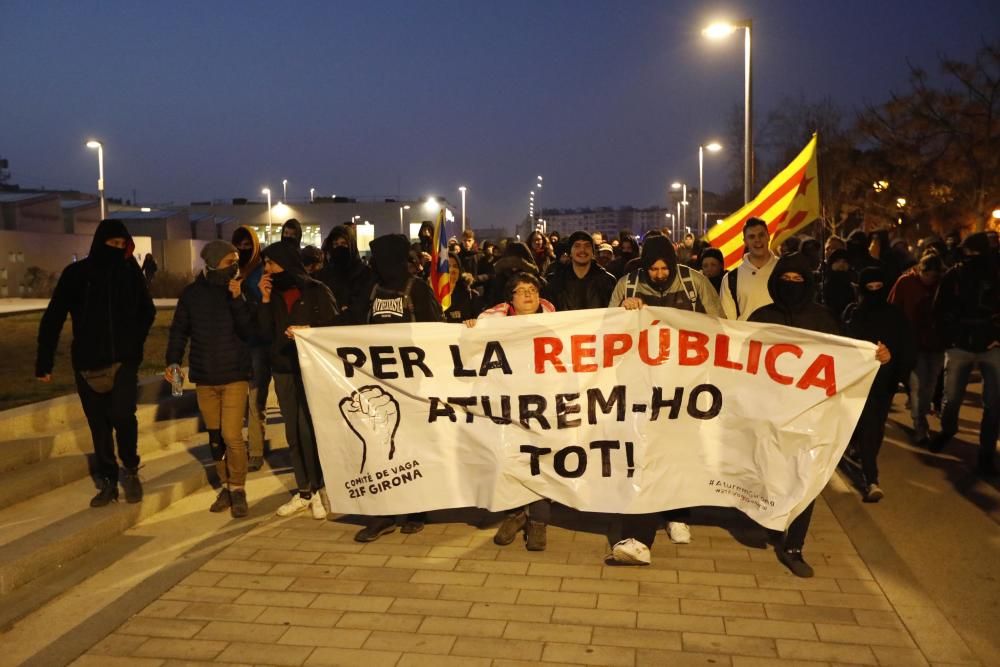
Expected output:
(388, 305)
(683, 271)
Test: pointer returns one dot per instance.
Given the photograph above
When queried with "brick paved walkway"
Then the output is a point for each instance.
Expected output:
(301, 592)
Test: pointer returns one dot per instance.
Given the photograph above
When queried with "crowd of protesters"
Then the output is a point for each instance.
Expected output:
(932, 311)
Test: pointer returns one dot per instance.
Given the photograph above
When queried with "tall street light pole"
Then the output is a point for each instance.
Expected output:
(720, 31)
(284, 190)
(401, 209)
(93, 143)
(267, 191)
(538, 187)
(312, 194)
(462, 189)
(682, 205)
(711, 148)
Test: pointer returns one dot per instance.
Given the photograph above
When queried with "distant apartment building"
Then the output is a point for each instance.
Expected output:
(609, 221)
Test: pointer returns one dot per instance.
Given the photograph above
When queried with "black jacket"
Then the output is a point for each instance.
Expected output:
(967, 304)
(218, 327)
(804, 312)
(348, 278)
(106, 296)
(567, 292)
(885, 323)
(313, 306)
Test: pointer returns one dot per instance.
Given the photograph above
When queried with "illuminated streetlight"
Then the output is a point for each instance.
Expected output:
(713, 147)
(432, 205)
(312, 194)
(722, 30)
(676, 185)
(267, 191)
(284, 189)
(401, 209)
(462, 189)
(880, 186)
(93, 143)
(900, 202)
(996, 214)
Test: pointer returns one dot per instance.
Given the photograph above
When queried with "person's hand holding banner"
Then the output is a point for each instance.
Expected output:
(373, 415)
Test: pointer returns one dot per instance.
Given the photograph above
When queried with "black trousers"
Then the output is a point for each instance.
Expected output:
(870, 431)
(643, 527)
(299, 431)
(111, 418)
(795, 536)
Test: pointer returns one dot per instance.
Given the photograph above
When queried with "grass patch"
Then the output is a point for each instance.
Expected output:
(19, 346)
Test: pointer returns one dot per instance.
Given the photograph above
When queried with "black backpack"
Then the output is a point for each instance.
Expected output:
(388, 305)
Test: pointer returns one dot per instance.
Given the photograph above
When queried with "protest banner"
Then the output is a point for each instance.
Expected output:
(600, 410)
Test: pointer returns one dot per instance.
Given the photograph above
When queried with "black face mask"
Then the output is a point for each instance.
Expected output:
(245, 256)
(871, 299)
(340, 256)
(282, 281)
(221, 277)
(791, 293)
(108, 255)
(290, 240)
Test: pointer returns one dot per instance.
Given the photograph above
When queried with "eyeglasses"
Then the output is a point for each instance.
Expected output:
(526, 291)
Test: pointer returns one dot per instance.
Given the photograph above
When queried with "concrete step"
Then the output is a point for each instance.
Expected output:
(53, 528)
(28, 481)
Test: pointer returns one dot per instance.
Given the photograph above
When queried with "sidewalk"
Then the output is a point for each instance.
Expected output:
(10, 306)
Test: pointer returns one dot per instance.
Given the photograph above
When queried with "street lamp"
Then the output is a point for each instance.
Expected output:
(462, 189)
(677, 185)
(721, 31)
(713, 147)
(432, 205)
(93, 143)
(267, 191)
(312, 194)
(284, 189)
(996, 214)
(538, 186)
(401, 209)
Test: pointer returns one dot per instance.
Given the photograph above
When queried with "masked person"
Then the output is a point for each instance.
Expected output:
(212, 314)
(664, 283)
(291, 233)
(396, 296)
(874, 319)
(792, 293)
(291, 300)
(106, 296)
(346, 275)
(627, 251)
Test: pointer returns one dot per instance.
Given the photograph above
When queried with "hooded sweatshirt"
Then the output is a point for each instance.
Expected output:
(874, 319)
(390, 256)
(106, 296)
(251, 263)
(346, 275)
(794, 304)
(296, 300)
(296, 228)
(671, 293)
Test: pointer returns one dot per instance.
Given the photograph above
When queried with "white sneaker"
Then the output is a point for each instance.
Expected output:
(296, 504)
(316, 505)
(679, 532)
(630, 552)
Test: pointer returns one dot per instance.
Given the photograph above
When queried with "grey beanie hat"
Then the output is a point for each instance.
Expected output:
(214, 251)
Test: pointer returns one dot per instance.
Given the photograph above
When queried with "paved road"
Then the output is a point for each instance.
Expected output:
(13, 306)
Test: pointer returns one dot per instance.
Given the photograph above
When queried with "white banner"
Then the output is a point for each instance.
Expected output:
(601, 410)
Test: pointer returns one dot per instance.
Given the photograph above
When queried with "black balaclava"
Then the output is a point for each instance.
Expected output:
(656, 248)
(340, 258)
(982, 262)
(102, 255)
(868, 298)
(787, 295)
(288, 258)
(296, 227)
(390, 253)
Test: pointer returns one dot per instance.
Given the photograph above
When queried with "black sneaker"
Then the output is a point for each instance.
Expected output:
(107, 494)
(222, 502)
(255, 463)
(239, 503)
(534, 536)
(376, 528)
(131, 485)
(411, 526)
(938, 442)
(509, 528)
(792, 559)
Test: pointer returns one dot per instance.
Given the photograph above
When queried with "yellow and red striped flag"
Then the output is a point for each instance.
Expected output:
(787, 204)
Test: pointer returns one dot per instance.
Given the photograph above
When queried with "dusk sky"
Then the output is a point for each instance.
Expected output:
(607, 100)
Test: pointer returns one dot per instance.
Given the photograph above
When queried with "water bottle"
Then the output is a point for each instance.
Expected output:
(177, 385)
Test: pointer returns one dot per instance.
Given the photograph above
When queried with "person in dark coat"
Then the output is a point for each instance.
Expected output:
(627, 251)
(149, 267)
(838, 283)
(517, 258)
(106, 296)
(251, 269)
(292, 300)
(874, 319)
(291, 232)
(582, 283)
(466, 301)
(793, 291)
(713, 267)
(212, 314)
(542, 253)
(347, 277)
(473, 262)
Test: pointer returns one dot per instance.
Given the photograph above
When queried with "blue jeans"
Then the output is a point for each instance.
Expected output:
(923, 380)
(957, 366)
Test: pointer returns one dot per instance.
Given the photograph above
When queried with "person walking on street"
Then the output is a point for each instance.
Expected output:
(106, 296)
(212, 314)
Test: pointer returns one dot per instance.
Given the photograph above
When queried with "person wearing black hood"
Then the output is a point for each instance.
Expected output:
(212, 313)
(348, 278)
(664, 283)
(517, 258)
(838, 283)
(713, 267)
(291, 232)
(396, 296)
(292, 300)
(582, 283)
(106, 296)
(627, 251)
(874, 319)
(967, 310)
(792, 291)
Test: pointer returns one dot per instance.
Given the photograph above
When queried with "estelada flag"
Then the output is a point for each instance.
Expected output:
(787, 204)
(440, 275)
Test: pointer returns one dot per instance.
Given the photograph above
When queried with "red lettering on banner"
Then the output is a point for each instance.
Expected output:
(771, 358)
(753, 360)
(820, 374)
(615, 345)
(548, 349)
(693, 347)
(579, 352)
(722, 354)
